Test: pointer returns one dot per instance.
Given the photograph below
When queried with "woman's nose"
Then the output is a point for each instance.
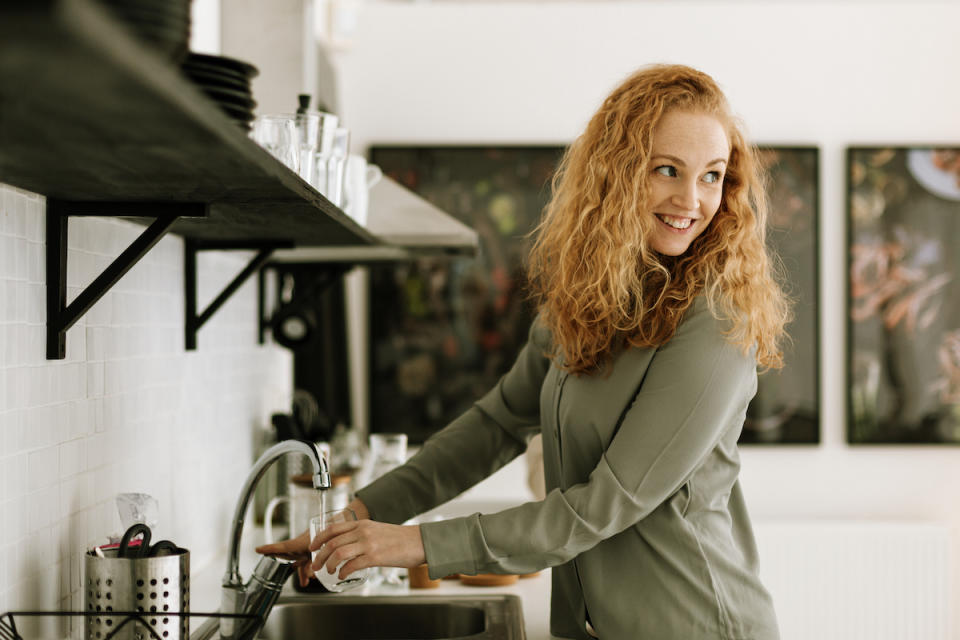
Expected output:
(685, 196)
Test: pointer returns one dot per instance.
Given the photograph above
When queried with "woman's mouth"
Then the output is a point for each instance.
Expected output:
(676, 223)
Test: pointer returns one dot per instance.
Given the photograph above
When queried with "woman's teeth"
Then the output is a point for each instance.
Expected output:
(676, 223)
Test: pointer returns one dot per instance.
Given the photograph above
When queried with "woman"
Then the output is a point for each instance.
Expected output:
(656, 304)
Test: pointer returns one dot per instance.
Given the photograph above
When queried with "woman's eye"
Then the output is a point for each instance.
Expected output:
(712, 177)
(667, 170)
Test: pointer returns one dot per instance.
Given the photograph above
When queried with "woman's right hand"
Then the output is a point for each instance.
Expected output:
(298, 549)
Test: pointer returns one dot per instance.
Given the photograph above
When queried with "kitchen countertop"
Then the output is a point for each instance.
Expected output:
(533, 592)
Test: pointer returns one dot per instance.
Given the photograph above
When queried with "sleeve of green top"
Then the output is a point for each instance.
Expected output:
(487, 436)
(694, 386)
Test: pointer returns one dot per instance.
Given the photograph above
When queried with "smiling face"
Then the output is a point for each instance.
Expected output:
(690, 153)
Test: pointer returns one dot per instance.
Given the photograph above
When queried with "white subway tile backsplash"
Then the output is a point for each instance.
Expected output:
(95, 377)
(8, 263)
(19, 210)
(81, 425)
(20, 265)
(129, 408)
(37, 427)
(6, 210)
(76, 495)
(100, 313)
(35, 225)
(34, 345)
(43, 468)
(36, 311)
(72, 458)
(37, 381)
(96, 339)
(44, 507)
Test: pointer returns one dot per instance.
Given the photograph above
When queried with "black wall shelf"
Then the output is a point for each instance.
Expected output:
(101, 125)
(89, 114)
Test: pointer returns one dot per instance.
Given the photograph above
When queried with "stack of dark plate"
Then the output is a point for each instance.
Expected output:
(226, 81)
(162, 24)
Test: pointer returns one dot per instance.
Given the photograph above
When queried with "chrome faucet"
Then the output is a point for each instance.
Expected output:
(260, 593)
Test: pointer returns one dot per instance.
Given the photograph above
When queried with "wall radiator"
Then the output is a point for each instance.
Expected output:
(859, 580)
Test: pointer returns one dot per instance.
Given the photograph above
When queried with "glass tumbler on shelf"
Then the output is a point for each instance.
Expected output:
(331, 166)
(326, 130)
(332, 581)
(308, 130)
(277, 133)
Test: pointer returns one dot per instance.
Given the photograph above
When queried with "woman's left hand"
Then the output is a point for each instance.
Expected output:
(366, 543)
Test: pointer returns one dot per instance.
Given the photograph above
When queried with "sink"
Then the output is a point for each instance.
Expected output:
(307, 617)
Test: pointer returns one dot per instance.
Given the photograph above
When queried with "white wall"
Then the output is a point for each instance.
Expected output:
(825, 74)
(128, 410)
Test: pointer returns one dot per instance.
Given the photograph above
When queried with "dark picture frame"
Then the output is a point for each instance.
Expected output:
(786, 408)
(443, 330)
(903, 294)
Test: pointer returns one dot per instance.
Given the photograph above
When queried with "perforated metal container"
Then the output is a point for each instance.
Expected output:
(153, 586)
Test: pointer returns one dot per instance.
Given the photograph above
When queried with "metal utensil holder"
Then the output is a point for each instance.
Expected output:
(152, 586)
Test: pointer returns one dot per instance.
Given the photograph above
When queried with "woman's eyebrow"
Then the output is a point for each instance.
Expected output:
(683, 164)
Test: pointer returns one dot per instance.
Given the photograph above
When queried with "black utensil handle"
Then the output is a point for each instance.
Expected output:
(128, 535)
(163, 546)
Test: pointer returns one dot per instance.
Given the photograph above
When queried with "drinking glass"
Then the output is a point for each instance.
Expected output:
(308, 130)
(331, 166)
(387, 452)
(328, 127)
(277, 133)
(360, 176)
(331, 581)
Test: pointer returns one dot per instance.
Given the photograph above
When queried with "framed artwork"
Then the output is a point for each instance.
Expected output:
(786, 409)
(903, 295)
(443, 330)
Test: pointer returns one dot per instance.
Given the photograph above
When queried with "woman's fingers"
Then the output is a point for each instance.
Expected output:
(337, 557)
(305, 571)
(368, 544)
(287, 548)
(331, 532)
(356, 564)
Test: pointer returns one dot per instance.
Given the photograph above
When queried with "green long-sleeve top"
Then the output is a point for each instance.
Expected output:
(644, 522)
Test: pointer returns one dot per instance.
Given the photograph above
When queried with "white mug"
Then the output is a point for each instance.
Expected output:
(303, 503)
(359, 179)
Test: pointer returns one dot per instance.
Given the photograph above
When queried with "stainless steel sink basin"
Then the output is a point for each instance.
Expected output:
(395, 618)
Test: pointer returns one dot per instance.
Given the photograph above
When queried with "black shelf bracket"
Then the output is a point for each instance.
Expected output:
(60, 315)
(195, 321)
(323, 276)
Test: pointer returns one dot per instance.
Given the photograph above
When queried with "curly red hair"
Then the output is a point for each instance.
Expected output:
(597, 282)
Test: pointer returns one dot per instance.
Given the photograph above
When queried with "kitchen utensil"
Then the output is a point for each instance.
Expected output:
(130, 548)
(153, 585)
(284, 425)
(140, 551)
